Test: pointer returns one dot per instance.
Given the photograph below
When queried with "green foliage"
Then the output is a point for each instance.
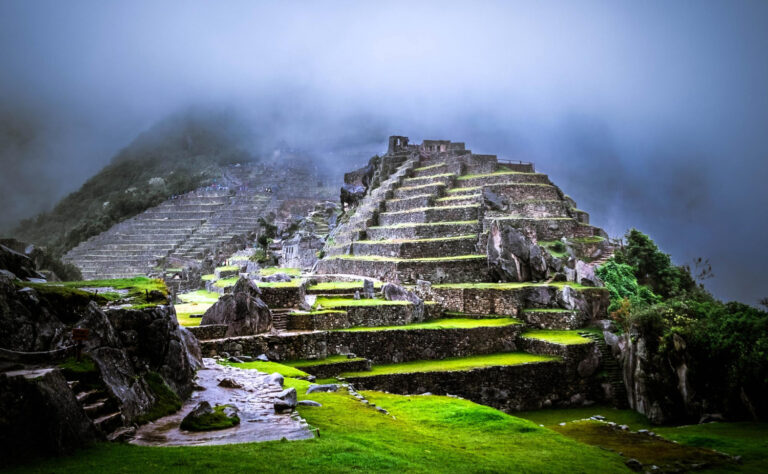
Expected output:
(260, 256)
(217, 420)
(622, 284)
(652, 267)
(166, 401)
(82, 366)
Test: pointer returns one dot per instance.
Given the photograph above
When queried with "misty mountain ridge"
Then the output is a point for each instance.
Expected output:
(183, 152)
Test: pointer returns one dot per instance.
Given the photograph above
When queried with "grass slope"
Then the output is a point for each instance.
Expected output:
(557, 336)
(424, 434)
(454, 323)
(454, 364)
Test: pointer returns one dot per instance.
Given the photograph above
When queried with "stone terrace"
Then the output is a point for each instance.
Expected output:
(509, 345)
(183, 230)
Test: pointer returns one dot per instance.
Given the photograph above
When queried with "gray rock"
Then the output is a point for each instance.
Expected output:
(711, 417)
(229, 383)
(245, 358)
(589, 364)
(236, 360)
(286, 400)
(368, 291)
(276, 277)
(634, 464)
(309, 403)
(493, 201)
(331, 387)
(243, 311)
(276, 379)
(357, 294)
(262, 358)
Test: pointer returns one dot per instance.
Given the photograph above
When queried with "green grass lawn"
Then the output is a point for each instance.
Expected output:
(746, 439)
(295, 283)
(137, 288)
(226, 282)
(199, 296)
(347, 302)
(454, 364)
(294, 272)
(334, 359)
(208, 277)
(341, 285)
(268, 367)
(228, 268)
(443, 324)
(423, 434)
(557, 336)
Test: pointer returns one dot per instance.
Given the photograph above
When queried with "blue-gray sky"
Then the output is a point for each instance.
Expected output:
(650, 114)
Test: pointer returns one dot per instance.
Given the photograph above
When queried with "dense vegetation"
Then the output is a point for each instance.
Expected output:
(725, 345)
(174, 157)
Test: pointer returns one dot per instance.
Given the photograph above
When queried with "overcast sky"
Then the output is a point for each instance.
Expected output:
(650, 114)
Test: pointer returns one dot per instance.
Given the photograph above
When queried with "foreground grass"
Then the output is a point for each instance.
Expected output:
(268, 367)
(422, 434)
(455, 364)
(444, 324)
(746, 439)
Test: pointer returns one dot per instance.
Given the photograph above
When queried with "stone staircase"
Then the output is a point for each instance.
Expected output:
(183, 230)
(102, 409)
(613, 372)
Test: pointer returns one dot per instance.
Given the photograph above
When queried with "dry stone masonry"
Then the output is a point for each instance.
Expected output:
(497, 267)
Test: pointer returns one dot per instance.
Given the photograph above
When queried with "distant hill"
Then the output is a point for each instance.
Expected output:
(177, 155)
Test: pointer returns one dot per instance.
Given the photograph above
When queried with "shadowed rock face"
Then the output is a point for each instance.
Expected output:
(243, 311)
(40, 415)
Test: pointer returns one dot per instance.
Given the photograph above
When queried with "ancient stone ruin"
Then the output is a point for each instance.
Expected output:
(453, 273)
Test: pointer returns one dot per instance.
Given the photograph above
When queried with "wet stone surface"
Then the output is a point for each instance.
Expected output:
(255, 402)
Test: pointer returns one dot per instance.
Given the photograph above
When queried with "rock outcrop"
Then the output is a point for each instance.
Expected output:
(243, 311)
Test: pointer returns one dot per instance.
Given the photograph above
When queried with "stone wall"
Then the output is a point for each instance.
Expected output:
(509, 388)
(591, 301)
(209, 331)
(281, 297)
(379, 346)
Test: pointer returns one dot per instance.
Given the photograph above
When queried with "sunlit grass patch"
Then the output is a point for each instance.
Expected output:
(556, 336)
(455, 364)
(443, 324)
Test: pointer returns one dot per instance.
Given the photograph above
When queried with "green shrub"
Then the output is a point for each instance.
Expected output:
(166, 401)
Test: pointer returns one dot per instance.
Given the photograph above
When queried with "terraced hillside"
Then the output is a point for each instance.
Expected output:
(451, 330)
(181, 231)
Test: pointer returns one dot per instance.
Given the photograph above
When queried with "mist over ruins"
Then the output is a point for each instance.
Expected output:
(391, 237)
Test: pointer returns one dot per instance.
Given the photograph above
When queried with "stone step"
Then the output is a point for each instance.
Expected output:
(540, 209)
(99, 408)
(513, 192)
(464, 268)
(423, 230)
(551, 228)
(420, 200)
(108, 423)
(459, 200)
(501, 177)
(430, 214)
(435, 188)
(416, 248)
(447, 178)
(553, 318)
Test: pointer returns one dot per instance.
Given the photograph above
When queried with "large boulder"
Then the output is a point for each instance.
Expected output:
(395, 292)
(18, 264)
(40, 415)
(243, 311)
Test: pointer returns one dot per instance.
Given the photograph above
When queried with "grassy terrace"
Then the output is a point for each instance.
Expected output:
(341, 285)
(425, 168)
(379, 258)
(459, 315)
(227, 282)
(133, 290)
(458, 198)
(425, 434)
(425, 209)
(412, 241)
(556, 337)
(423, 224)
(294, 272)
(228, 268)
(511, 286)
(434, 176)
(349, 302)
(478, 188)
(418, 196)
(453, 323)
(194, 303)
(421, 186)
(455, 364)
(334, 359)
(495, 173)
(268, 367)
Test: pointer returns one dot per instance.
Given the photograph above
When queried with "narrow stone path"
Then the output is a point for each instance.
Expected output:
(258, 420)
